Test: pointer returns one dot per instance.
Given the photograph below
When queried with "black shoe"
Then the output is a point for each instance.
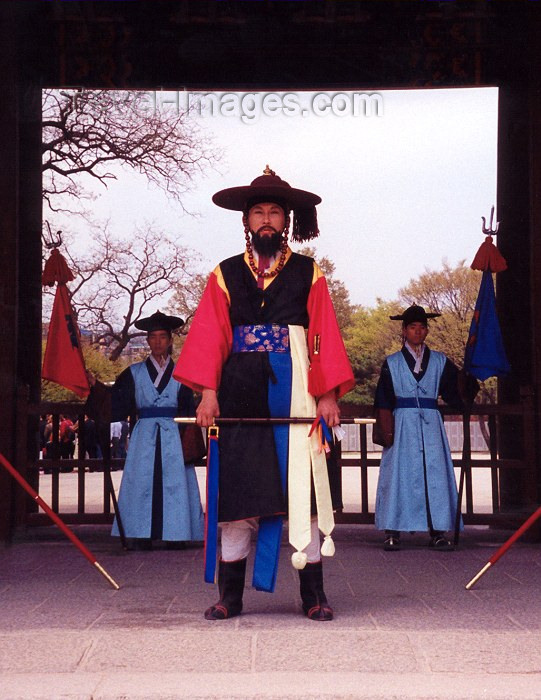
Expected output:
(139, 544)
(231, 576)
(392, 543)
(441, 543)
(170, 544)
(314, 601)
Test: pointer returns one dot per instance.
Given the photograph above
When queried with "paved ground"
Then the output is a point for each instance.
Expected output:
(405, 626)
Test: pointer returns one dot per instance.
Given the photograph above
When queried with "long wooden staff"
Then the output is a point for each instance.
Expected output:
(503, 549)
(277, 421)
(211, 514)
(466, 459)
(104, 437)
(54, 517)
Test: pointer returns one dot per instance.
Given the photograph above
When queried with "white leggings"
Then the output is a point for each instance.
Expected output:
(237, 535)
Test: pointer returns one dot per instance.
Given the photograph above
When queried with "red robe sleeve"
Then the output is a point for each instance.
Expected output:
(330, 367)
(209, 341)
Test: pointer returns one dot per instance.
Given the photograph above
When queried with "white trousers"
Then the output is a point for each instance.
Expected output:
(237, 536)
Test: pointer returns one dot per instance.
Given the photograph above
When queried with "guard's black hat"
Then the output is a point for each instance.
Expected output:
(414, 314)
(159, 322)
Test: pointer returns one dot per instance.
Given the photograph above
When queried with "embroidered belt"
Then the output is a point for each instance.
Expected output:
(269, 337)
(412, 402)
(157, 412)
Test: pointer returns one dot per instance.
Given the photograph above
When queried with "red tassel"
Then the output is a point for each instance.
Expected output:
(56, 270)
(488, 257)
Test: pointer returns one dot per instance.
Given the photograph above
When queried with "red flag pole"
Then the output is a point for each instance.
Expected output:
(54, 517)
(503, 549)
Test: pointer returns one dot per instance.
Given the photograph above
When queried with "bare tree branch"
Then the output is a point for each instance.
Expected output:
(87, 136)
(86, 132)
(118, 279)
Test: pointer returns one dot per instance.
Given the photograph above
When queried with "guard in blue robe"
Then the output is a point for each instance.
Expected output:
(416, 487)
(159, 496)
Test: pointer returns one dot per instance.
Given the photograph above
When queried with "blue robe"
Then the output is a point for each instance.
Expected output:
(159, 495)
(416, 487)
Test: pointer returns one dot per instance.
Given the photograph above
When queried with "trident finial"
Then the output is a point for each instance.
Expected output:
(490, 231)
(52, 242)
(268, 171)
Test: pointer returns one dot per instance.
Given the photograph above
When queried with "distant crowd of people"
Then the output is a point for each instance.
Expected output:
(68, 438)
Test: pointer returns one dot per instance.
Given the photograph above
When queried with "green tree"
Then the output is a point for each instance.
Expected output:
(337, 289)
(451, 292)
(95, 361)
(368, 340)
(184, 303)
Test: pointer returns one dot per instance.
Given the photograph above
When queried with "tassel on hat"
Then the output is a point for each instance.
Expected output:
(305, 226)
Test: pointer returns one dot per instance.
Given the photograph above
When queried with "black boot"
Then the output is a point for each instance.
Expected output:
(392, 541)
(314, 600)
(231, 586)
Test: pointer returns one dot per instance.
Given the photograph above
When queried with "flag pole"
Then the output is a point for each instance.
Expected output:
(505, 546)
(54, 517)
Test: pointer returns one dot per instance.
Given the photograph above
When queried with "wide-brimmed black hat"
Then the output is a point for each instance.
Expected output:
(159, 322)
(414, 314)
(271, 188)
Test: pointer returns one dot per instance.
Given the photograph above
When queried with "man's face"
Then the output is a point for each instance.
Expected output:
(415, 333)
(159, 342)
(266, 218)
(266, 222)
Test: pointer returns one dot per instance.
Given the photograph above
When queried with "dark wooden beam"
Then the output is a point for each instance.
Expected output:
(9, 249)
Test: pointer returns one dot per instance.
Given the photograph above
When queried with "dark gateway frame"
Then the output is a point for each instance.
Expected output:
(373, 44)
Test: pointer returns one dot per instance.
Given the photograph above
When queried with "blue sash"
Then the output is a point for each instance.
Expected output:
(211, 511)
(158, 412)
(269, 534)
(415, 402)
(265, 337)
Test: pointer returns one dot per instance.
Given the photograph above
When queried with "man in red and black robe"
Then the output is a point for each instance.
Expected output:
(265, 343)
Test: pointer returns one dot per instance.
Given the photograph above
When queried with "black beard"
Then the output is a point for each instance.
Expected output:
(267, 245)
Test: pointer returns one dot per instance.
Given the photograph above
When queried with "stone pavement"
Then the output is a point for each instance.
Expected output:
(405, 626)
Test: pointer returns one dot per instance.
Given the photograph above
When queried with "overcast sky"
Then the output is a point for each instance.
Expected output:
(401, 190)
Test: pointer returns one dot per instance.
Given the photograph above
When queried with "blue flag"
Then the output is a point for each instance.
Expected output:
(485, 355)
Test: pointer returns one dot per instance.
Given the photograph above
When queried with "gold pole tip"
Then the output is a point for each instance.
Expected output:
(477, 576)
(104, 573)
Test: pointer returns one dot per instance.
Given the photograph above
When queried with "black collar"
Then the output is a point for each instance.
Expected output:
(411, 361)
(153, 373)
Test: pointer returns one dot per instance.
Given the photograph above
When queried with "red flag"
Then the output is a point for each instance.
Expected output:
(63, 361)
